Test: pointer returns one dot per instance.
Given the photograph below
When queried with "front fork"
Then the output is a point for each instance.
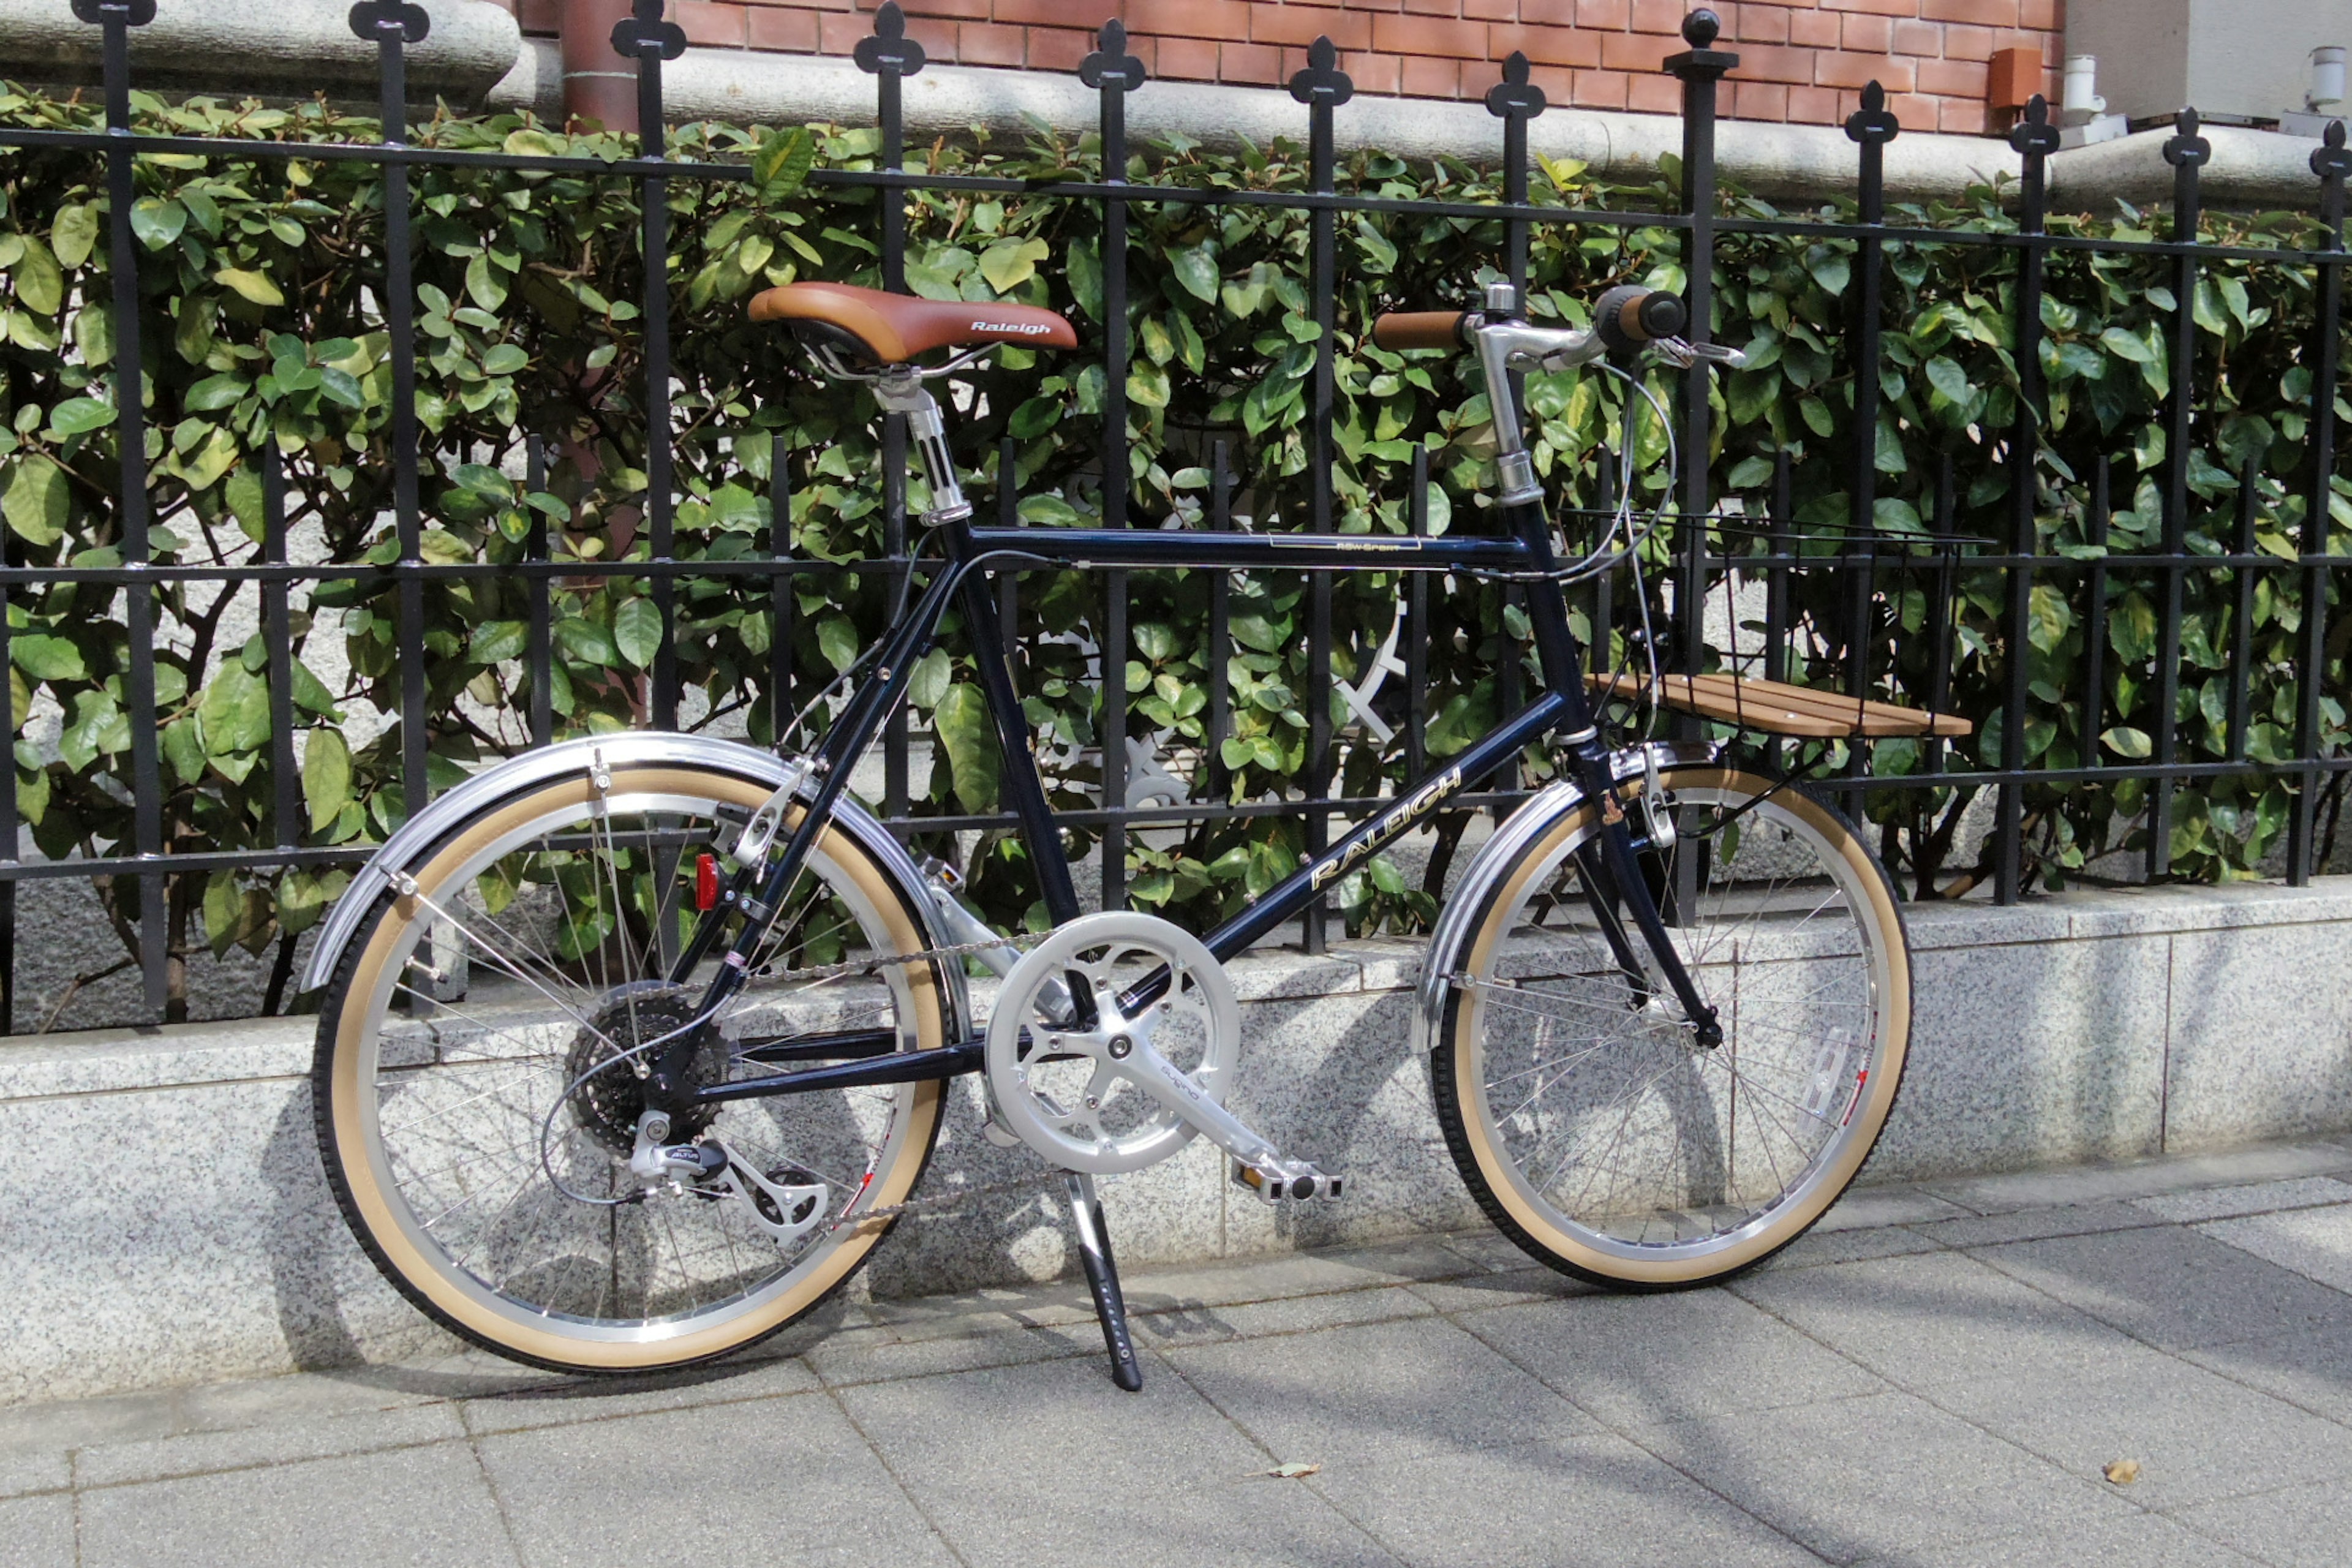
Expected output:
(1563, 667)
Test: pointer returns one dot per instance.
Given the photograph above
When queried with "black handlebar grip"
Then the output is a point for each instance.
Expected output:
(1627, 316)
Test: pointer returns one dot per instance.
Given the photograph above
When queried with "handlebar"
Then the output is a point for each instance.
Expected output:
(1419, 330)
(1625, 318)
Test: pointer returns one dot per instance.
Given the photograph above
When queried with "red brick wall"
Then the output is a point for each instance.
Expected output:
(1800, 62)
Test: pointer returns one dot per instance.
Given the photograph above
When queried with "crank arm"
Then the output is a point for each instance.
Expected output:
(1258, 1164)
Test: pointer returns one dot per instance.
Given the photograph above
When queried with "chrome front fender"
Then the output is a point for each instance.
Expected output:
(1458, 921)
(493, 786)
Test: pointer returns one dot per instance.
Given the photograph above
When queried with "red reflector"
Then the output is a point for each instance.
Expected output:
(706, 882)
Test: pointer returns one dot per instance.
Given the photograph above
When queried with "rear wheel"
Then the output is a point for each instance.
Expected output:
(1587, 1120)
(479, 1147)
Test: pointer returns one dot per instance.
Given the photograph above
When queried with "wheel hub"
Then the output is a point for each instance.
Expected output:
(611, 1095)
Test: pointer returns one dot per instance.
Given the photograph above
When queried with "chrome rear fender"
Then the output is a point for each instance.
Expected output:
(1457, 923)
(420, 834)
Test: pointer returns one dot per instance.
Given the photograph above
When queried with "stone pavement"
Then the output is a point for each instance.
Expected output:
(1938, 1377)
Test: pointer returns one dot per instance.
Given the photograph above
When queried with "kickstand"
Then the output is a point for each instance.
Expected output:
(1102, 1279)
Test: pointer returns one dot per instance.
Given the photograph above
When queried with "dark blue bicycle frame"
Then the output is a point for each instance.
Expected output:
(1524, 547)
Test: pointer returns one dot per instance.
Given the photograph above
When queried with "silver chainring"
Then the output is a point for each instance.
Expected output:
(1092, 1094)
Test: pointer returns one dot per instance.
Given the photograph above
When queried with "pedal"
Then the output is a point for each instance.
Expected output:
(1287, 1181)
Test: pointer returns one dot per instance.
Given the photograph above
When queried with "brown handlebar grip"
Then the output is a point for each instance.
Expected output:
(1419, 330)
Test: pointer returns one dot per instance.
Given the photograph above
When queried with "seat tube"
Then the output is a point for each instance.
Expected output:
(1024, 791)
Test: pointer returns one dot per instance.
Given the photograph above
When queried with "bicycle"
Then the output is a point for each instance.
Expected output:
(711, 1005)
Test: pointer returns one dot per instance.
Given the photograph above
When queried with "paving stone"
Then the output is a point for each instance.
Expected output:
(1862, 1208)
(67, 1423)
(2172, 1287)
(2316, 1243)
(2039, 1225)
(1298, 1314)
(1383, 1392)
(219, 1406)
(1280, 1276)
(1040, 1466)
(875, 1355)
(1637, 1359)
(1821, 1475)
(1596, 1500)
(414, 1506)
(39, 1530)
(786, 1481)
(202, 1453)
(2311, 1368)
(1489, 1250)
(591, 1399)
(2256, 1197)
(1818, 1248)
(2142, 1178)
(2301, 1527)
(2145, 1541)
(1513, 1287)
(1937, 1317)
(24, 1471)
(2198, 1435)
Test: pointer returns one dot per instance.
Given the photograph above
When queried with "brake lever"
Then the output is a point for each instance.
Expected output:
(1682, 353)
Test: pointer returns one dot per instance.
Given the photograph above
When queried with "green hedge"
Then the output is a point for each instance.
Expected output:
(257, 289)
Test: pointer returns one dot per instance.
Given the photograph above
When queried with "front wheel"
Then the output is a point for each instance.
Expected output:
(480, 1146)
(1590, 1123)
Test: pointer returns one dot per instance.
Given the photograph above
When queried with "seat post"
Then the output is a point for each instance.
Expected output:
(900, 390)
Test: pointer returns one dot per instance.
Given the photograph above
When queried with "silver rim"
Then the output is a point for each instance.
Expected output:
(455, 1096)
(1610, 1122)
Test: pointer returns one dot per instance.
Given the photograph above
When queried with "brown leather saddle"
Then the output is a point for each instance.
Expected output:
(876, 327)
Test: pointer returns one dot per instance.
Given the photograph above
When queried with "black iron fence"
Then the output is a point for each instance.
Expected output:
(1880, 576)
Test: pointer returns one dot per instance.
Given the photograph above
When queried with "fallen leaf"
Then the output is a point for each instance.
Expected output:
(2123, 1472)
(1290, 1472)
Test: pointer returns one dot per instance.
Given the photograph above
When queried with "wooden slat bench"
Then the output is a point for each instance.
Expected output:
(1778, 708)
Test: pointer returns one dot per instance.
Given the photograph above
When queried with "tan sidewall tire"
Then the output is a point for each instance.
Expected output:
(344, 1031)
(1489, 1173)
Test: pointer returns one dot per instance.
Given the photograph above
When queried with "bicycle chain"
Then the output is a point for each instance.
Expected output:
(868, 966)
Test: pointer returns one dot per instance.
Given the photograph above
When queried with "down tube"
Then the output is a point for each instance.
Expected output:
(1283, 901)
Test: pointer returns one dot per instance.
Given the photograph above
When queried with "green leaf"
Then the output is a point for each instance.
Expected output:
(781, 162)
(485, 284)
(1196, 272)
(2124, 345)
(636, 631)
(2126, 741)
(235, 711)
(1832, 270)
(928, 681)
(326, 777)
(586, 641)
(969, 739)
(36, 501)
(76, 415)
(504, 359)
(184, 748)
(495, 642)
(254, 286)
(40, 285)
(1010, 263)
(838, 640)
(157, 221)
(217, 392)
(1946, 377)
(47, 657)
(2047, 619)
(73, 233)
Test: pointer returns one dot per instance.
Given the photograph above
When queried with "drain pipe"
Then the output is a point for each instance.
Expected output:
(598, 84)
